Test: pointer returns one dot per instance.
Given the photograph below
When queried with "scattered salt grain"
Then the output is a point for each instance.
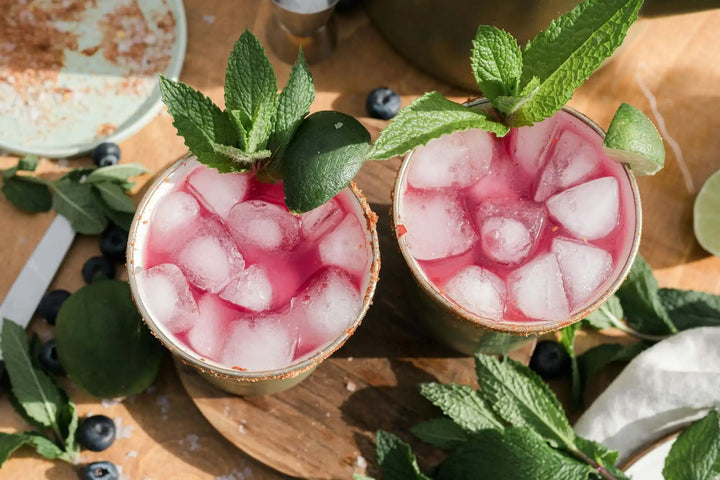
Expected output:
(361, 462)
(209, 19)
(110, 402)
(131, 454)
(351, 387)
(122, 431)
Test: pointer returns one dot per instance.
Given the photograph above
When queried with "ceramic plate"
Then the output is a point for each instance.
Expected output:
(74, 73)
(649, 464)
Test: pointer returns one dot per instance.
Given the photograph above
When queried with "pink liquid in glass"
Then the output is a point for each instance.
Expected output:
(235, 276)
(535, 226)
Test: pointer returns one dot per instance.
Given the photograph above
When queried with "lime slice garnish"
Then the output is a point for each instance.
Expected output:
(633, 139)
(706, 215)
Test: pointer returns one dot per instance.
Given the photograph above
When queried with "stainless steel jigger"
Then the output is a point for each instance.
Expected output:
(303, 23)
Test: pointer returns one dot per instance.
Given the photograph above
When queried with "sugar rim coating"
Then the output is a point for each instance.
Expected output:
(535, 327)
(206, 366)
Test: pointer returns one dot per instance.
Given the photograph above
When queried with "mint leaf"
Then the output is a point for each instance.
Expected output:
(46, 448)
(324, 155)
(251, 91)
(34, 391)
(690, 309)
(608, 315)
(27, 194)
(121, 219)
(293, 105)
(462, 404)
(496, 62)
(203, 125)
(510, 454)
(572, 47)
(601, 456)
(426, 118)
(517, 395)
(641, 302)
(103, 343)
(442, 433)
(75, 201)
(567, 339)
(695, 455)
(595, 359)
(114, 196)
(68, 423)
(28, 163)
(9, 442)
(114, 173)
(396, 460)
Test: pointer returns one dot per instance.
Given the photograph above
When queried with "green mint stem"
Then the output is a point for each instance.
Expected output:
(602, 471)
(620, 325)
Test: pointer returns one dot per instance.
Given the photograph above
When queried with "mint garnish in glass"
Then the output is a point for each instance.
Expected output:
(272, 134)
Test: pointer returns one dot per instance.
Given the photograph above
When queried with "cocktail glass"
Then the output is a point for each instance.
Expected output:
(236, 286)
(522, 235)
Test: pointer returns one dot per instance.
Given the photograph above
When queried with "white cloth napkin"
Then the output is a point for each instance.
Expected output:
(673, 382)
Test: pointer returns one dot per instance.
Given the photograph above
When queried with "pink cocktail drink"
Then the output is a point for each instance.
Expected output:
(235, 280)
(524, 233)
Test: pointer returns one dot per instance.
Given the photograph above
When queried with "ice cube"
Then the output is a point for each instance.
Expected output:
(505, 240)
(590, 210)
(218, 192)
(315, 223)
(536, 289)
(210, 259)
(206, 336)
(436, 226)
(478, 291)
(345, 246)
(584, 268)
(529, 144)
(509, 229)
(166, 294)
(328, 306)
(250, 289)
(456, 160)
(263, 225)
(265, 343)
(171, 222)
(572, 160)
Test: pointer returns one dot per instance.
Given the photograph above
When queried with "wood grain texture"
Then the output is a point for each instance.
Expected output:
(164, 434)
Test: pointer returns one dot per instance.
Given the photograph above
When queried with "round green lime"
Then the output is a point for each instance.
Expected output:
(706, 215)
(633, 139)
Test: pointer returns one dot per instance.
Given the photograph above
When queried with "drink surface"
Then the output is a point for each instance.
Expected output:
(535, 226)
(236, 277)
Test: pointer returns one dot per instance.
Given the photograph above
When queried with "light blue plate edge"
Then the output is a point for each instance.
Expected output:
(152, 105)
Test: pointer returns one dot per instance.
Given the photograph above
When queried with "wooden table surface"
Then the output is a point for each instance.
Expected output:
(669, 67)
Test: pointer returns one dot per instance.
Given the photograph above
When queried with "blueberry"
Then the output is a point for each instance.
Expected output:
(50, 305)
(96, 433)
(550, 359)
(49, 358)
(99, 471)
(113, 242)
(106, 154)
(98, 268)
(383, 103)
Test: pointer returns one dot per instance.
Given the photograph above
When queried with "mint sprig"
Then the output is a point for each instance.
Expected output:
(88, 197)
(38, 399)
(695, 455)
(512, 427)
(264, 131)
(523, 85)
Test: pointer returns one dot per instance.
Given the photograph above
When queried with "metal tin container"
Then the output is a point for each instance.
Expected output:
(231, 380)
(466, 332)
